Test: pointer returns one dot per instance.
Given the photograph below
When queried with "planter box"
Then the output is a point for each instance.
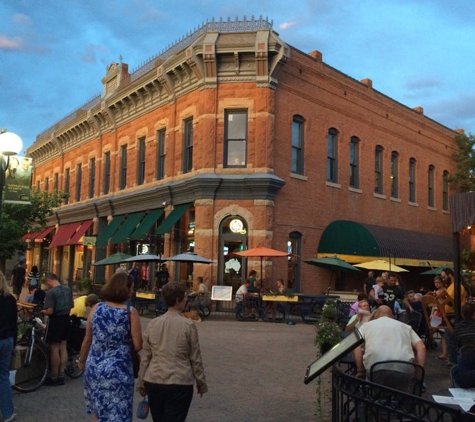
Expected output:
(280, 298)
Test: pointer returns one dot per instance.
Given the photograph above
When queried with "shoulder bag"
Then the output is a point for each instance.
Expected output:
(135, 354)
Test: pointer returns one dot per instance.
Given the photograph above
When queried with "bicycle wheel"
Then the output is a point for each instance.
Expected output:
(34, 368)
(71, 369)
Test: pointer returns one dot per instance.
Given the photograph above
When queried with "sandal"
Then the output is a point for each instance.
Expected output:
(441, 357)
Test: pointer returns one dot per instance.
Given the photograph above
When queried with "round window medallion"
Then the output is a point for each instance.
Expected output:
(236, 226)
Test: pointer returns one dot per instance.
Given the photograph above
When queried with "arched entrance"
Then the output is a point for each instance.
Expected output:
(233, 232)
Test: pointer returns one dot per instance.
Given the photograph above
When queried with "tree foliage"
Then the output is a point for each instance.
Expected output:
(464, 180)
(19, 219)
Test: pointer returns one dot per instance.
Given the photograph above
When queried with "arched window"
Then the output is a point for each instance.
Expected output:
(294, 245)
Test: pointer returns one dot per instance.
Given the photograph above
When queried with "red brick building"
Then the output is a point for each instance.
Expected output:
(232, 139)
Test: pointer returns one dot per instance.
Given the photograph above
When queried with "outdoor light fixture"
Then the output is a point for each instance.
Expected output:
(10, 144)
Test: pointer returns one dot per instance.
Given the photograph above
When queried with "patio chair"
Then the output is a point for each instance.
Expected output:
(400, 375)
(428, 302)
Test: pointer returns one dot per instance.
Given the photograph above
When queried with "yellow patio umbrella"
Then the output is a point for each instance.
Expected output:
(381, 265)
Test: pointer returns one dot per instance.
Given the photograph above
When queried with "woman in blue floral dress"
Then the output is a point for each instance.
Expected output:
(106, 353)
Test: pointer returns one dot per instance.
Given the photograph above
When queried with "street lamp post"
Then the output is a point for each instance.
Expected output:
(10, 144)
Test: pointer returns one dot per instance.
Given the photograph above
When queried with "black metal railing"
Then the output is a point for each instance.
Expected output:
(354, 399)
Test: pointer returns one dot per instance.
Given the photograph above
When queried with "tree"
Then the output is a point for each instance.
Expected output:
(464, 178)
(19, 219)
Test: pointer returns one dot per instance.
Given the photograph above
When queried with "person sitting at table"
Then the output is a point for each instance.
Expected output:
(361, 317)
(253, 286)
(399, 341)
(202, 294)
(243, 296)
(271, 305)
(35, 295)
(354, 308)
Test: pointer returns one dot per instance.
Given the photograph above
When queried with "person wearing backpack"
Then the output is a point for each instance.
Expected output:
(34, 279)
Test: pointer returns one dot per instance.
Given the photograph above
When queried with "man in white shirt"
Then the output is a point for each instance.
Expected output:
(388, 339)
(242, 292)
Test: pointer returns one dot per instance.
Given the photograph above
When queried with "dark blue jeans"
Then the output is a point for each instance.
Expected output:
(452, 346)
(6, 401)
(169, 402)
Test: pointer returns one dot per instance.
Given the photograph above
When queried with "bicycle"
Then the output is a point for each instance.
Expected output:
(36, 358)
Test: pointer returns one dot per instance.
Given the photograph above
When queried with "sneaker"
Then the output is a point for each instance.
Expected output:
(11, 418)
(60, 381)
(51, 381)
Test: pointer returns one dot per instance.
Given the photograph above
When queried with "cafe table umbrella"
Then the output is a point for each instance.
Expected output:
(113, 259)
(262, 252)
(189, 257)
(145, 258)
(437, 270)
(381, 265)
(333, 263)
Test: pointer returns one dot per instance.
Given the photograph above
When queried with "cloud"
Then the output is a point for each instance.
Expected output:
(21, 19)
(287, 25)
(89, 55)
(422, 83)
(13, 44)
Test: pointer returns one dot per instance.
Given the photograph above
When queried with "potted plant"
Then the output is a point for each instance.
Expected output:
(328, 331)
(83, 285)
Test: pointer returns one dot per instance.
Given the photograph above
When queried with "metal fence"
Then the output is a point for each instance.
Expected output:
(354, 399)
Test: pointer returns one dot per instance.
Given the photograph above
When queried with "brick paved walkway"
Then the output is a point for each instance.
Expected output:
(255, 372)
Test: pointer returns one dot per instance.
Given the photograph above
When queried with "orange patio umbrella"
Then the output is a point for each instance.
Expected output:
(262, 252)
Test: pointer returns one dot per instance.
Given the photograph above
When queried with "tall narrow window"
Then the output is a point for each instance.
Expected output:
(430, 184)
(412, 180)
(37, 186)
(141, 161)
(92, 177)
(123, 167)
(445, 191)
(354, 162)
(394, 175)
(161, 154)
(235, 138)
(78, 182)
(56, 182)
(332, 156)
(297, 144)
(187, 145)
(66, 185)
(107, 172)
(46, 184)
(378, 170)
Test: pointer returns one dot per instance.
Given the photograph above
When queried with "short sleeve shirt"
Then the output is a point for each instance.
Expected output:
(60, 298)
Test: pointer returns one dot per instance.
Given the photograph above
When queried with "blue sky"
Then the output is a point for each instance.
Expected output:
(54, 53)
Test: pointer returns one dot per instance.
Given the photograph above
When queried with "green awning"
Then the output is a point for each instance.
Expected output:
(172, 218)
(147, 223)
(104, 236)
(357, 242)
(127, 227)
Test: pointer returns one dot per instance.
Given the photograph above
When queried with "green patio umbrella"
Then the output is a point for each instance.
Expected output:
(436, 271)
(333, 263)
(113, 259)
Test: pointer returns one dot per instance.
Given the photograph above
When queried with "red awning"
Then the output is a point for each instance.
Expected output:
(81, 230)
(63, 234)
(42, 234)
(27, 237)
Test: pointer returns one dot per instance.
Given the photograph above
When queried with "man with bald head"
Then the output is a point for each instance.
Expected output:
(388, 339)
